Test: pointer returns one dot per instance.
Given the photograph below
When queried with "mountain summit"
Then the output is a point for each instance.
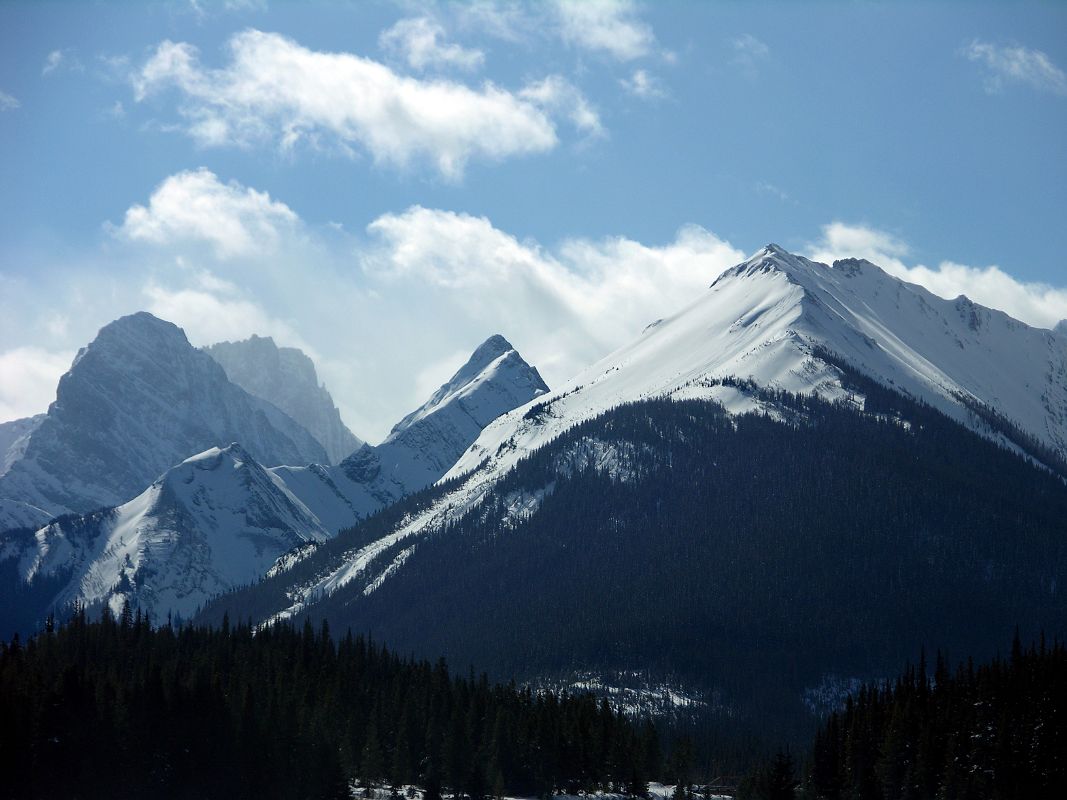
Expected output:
(776, 322)
(425, 443)
(136, 401)
(781, 320)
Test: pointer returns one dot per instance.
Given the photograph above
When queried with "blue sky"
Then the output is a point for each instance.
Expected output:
(387, 184)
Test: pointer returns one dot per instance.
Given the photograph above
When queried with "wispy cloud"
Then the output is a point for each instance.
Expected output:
(559, 96)
(195, 206)
(611, 27)
(421, 42)
(749, 52)
(772, 190)
(1037, 304)
(61, 59)
(1015, 64)
(275, 90)
(643, 84)
(8, 102)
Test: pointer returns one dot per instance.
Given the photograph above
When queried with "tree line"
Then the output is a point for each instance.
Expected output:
(116, 707)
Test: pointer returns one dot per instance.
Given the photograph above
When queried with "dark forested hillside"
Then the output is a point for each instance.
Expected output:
(118, 709)
(760, 557)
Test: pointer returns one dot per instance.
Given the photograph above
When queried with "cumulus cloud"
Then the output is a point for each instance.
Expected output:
(28, 380)
(212, 310)
(420, 41)
(1037, 304)
(275, 90)
(643, 84)
(1016, 64)
(572, 305)
(611, 27)
(195, 206)
(8, 102)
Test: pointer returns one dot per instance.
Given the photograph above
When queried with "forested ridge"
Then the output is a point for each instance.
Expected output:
(751, 555)
(118, 708)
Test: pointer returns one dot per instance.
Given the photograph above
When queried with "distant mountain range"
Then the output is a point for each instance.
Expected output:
(802, 442)
(220, 517)
(138, 400)
(791, 484)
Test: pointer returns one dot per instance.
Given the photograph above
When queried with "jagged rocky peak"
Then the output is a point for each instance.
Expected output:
(494, 380)
(1061, 328)
(137, 400)
(286, 377)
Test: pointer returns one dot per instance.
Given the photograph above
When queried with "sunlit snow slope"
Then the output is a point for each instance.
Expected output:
(216, 521)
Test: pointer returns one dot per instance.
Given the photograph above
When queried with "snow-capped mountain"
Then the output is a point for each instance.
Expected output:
(781, 321)
(220, 519)
(135, 402)
(767, 320)
(424, 444)
(213, 522)
(286, 377)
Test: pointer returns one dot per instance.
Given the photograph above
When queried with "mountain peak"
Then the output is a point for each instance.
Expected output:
(492, 347)
(770, 258)
(287, 378)
(140, 323)
(496, 368)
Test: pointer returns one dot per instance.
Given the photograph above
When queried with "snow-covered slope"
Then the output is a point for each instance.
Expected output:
(768, 320)
(286, 377)
(764, 318)
(136, 401)
(424, 444)
(215, 521)
(17, 514)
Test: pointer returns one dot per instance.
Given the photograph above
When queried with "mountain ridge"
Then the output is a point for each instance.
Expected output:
(136, 401)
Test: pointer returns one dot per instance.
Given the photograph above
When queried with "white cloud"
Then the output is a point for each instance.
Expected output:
(558, 96)
(1016, 64)
(568, 307)
(214, 310)
(420, 41)
(65, 59)
(611, 27)
(195, 206)
(1037, 304)
(274, 89)
(52, 62)
(749, 52)
(8, 102)
(767, 188)
(507, 21)
(28, 380)
(643, 84)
